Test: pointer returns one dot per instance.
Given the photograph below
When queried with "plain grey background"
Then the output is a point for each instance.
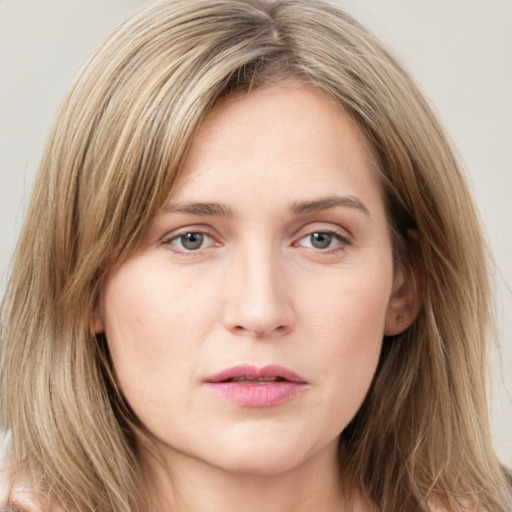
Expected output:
(459, 50)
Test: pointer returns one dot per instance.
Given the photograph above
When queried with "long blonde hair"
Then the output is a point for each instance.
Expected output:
(113, 157)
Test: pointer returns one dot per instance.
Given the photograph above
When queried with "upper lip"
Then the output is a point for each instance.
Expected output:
(253, 372)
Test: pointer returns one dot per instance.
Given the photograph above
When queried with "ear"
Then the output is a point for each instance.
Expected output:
(404, 303)
(97, 323)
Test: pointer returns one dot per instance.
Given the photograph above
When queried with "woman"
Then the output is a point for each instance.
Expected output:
(251, 276)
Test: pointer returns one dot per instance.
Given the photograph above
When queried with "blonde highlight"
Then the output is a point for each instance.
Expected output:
(114, 156)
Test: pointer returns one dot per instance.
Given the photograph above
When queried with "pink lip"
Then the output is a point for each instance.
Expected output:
(254, 393)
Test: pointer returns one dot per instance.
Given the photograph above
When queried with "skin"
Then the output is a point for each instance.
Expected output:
(258, 289)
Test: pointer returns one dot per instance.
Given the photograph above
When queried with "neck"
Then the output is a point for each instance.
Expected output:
(182, 484)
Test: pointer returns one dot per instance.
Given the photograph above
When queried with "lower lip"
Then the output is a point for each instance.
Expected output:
(266, 394)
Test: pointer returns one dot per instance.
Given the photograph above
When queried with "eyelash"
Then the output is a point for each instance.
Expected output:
(343, 241)
(183, 251)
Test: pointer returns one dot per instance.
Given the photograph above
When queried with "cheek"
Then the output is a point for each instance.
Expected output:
(347, 307)
(346, 321)
(155, 320)
(162, 324)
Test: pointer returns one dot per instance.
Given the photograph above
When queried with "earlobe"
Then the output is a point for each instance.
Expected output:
(404, 303)
(97, 323)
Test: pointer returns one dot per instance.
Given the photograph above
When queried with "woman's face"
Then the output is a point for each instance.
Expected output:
(246, 329)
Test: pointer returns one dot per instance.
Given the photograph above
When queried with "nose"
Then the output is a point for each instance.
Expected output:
(260, 301)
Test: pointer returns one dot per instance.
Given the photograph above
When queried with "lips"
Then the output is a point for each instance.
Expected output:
(251, 373)
(249, 386)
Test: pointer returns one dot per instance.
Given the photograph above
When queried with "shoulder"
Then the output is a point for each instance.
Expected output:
(15, 497)
(435, 505)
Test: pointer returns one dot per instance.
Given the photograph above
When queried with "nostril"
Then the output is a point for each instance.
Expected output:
(259, 310)
(260, 332)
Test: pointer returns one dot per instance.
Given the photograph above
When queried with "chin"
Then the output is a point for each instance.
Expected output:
(265, 459)
(260, 464)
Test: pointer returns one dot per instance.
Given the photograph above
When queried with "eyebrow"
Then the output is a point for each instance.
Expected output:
(299, 208)
(216, 209)
(329, 202)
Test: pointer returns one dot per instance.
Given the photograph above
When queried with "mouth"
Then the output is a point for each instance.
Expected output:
(260, 380)
(249, 386)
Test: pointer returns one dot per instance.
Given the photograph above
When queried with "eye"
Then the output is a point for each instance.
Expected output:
(190, 241)
(322, 240)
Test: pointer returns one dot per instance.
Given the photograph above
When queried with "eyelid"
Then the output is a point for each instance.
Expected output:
(177, 233)
(344, 237)
(323, 227)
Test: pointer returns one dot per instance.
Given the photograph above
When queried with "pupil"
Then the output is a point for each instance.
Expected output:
(321, 240)
(192, 241)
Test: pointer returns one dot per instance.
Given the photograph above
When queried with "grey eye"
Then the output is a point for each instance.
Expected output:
(320, 240)
(191, 241)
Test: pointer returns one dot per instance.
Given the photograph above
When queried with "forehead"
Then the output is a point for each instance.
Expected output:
(285, 140)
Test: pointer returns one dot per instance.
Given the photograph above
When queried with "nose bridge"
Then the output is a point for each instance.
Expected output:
(259, 301)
